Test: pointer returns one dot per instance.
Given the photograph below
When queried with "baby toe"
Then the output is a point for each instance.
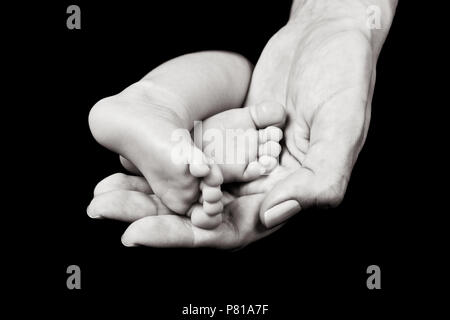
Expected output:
(199, 170)
(201, 219)
(270, 134)
(198, 166)
(215, 177)
(211, 194)
(212, 208)
(253, 171)
(270, 148)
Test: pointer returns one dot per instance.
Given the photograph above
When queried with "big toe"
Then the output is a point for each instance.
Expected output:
(268, 113)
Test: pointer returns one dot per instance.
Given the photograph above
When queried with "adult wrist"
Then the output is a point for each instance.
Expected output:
(372, 18)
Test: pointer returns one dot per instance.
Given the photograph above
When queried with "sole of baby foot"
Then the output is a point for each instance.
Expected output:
(151, 136)
(173, 167)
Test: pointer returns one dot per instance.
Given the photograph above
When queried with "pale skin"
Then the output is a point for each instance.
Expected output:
(149, 124)
(321, 66)
(258, 150)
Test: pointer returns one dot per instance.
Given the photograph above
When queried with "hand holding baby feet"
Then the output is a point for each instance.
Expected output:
(245, 144)
(140, 122)
(173, 176)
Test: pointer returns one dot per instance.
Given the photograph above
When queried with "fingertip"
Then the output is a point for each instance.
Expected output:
(130, 238)
(253, 171)
(92, 212)
(279, 213)
(128, 244)
(268, 162)
(127, 240)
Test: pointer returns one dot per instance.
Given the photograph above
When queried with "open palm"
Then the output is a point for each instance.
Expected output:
(324, 73)
(325, 77)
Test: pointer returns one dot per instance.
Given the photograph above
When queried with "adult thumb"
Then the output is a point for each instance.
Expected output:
(299, 191)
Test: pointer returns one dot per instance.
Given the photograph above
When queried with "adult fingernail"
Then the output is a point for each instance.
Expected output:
(280, 213)
(90, 212)
(127, 243)
(262, 171)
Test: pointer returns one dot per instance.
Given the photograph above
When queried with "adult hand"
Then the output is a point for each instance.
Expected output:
(321, 66)
(129, 198)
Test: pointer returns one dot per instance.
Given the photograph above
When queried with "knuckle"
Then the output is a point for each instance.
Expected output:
(330, 195)
(119, 197)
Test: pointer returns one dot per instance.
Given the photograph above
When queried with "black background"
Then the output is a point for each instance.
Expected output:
(316, 261)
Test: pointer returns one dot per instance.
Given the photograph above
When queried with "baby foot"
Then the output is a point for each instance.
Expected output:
(251, 137)
(243, 142)
(170, 162)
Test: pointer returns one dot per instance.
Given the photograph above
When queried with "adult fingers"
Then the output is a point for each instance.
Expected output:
(125, 205)
(301, 190)
(337, 134)
(129, 166)
(120, 181)
(240, 227)
(175, 231)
